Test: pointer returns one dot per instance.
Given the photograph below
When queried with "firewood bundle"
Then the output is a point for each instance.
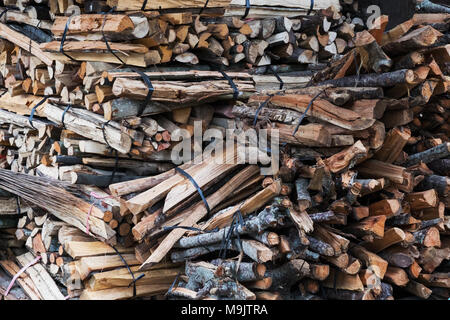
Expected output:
(98, 199)
(146, 38)
(106, 107)
(58, 54)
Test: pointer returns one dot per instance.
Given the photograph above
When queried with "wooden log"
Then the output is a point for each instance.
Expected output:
(123, 108)
(257, 251)
(371, 54)
(72, 210)
(24, 281)
(309, 135)
(397, 32)
(92, 23)
(337, 242)
(378, 169)
(343, 281)
(78, 249)
(420, 38)
(77, 121)
(45, 285)
(265, 219)
(288, 273)
(25, 43)
(396, 276)
(439, 183)
(370, 109)
(148, 198)
(86, 265)
(250, 205)
(423, 200)
(430, 258)
(418, 289)
(346, 158)
(137, 5)
(198, 212)
(370, 260)
(398, 256)
(369, 227)
(334, 294)
(393, 145)
(268, 238)
(387, 79)
(391, 237)
(180, 92)
(388, 208)
(321, 109)
(414, 270)
(359, 213)
(121, 278)
(435, 279)
(428, 237)
(124, 292)
(246, 272)
(303, 197)
(438, 152)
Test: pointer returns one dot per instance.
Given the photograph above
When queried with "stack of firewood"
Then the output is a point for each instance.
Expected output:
(95, 208)
(61, 63)
(148, 37)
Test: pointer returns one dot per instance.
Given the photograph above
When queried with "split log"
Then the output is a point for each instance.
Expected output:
(387, 79)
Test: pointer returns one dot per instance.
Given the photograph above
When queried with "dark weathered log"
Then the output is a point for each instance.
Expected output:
(428, 6)
(323, 216)
(387, 292)
(247, 271)
(410, 60)
(7, 222)
(289, 273)
(124, 108)
(418, 289)
(320, 247)
(388, 79)
(139, 168)
(204, 279)
(396, 276)
(431, 258)
(438, 152)
(439, 183)
(440, 166)
(398, 256)
(371, 54)
(273, 114)
(265, 219)
(192, 253)
(334, 294)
